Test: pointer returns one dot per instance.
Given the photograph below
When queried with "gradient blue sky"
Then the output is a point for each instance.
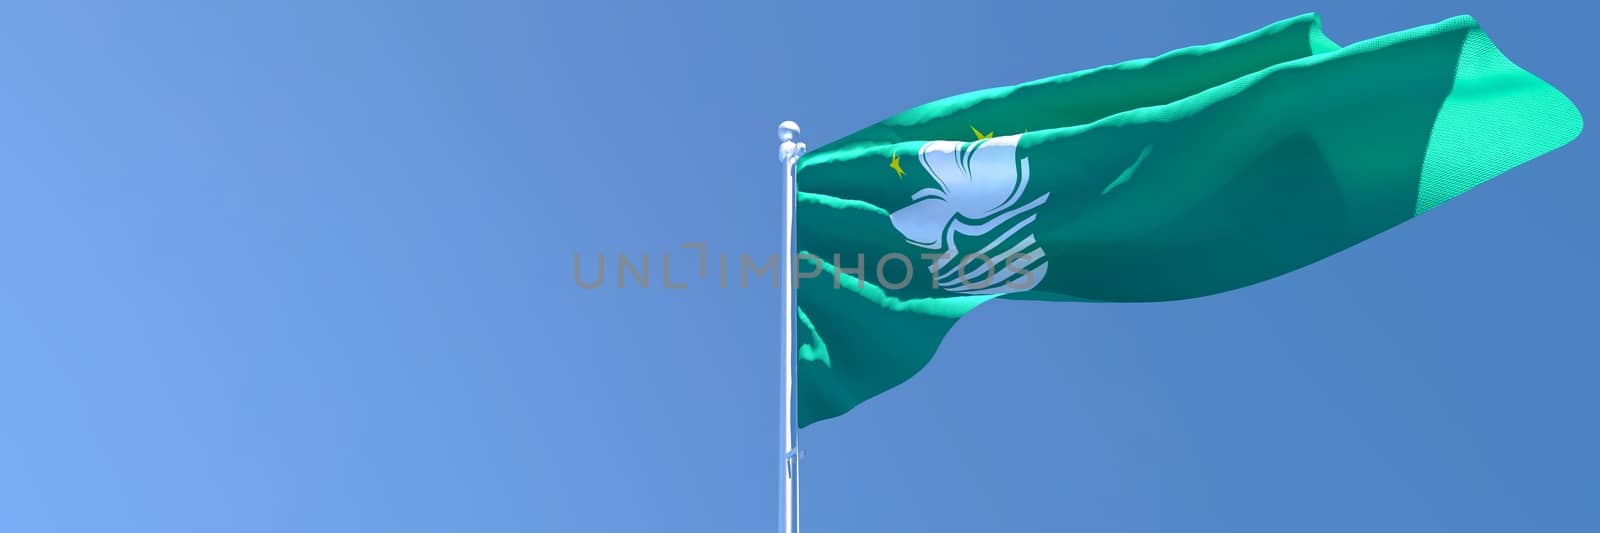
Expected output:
(306, 266)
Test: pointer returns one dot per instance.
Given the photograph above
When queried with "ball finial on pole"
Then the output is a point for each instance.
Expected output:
(789, 149)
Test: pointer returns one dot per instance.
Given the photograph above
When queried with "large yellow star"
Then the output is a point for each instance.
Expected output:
(979, 134)
(894, 163)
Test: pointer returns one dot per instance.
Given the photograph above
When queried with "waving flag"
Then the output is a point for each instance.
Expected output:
(1196, 172)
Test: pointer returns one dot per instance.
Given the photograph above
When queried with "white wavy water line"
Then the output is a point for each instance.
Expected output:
(995, 269)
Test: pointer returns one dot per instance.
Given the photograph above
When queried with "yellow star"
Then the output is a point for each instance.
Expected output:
(894, 163)
(979, 134)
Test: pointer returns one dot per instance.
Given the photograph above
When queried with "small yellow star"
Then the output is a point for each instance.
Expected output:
(979, 134)
(894, 163)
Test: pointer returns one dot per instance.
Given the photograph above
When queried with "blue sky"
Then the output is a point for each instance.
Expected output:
(303, 266)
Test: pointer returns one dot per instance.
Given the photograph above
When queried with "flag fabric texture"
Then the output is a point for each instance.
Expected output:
(1199, 171)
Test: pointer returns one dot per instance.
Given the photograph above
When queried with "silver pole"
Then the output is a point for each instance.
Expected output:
(789, 151)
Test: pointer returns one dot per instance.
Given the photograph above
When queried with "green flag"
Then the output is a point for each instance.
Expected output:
(1200, 171)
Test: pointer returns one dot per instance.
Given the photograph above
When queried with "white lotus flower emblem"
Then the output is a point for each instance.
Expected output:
(980, 186)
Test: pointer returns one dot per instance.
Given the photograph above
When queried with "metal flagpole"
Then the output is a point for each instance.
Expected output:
(789, 151)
